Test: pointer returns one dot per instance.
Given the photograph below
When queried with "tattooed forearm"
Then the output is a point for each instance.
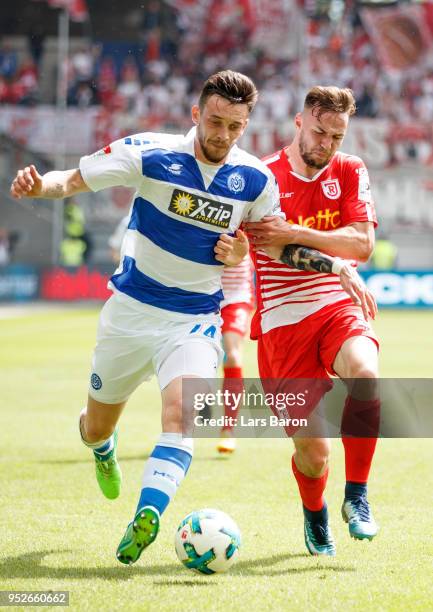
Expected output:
(303, 258)
(55, 184)
(53, 190)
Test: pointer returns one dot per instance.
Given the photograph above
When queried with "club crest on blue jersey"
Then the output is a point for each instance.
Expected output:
(95, 381)
(201, 209)
(236, 182)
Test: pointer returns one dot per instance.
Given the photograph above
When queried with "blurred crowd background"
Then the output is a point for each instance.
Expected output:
(155, 60)
(77, 74)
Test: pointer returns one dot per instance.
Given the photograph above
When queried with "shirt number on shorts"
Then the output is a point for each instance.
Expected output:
(204, 329)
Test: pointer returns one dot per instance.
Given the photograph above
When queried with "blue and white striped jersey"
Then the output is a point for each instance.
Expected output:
(180, 208)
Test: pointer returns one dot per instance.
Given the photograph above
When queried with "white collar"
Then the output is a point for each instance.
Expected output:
(312, 179)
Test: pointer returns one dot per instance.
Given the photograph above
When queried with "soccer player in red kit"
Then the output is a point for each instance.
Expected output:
(305, 324)
(236, 310)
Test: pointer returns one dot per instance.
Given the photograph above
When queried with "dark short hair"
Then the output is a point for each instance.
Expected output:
(330, 99)
(235, 87)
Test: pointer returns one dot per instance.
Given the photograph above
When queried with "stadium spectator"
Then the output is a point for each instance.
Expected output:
(384, 256)
(72, 251)
(5, 247)
(129, 86)
(36, 41)
(77, 244)
(24, 88)
(8, 241)
(8, 61)
(206, 36)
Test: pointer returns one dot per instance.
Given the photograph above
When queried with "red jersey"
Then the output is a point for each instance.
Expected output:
(336, 196)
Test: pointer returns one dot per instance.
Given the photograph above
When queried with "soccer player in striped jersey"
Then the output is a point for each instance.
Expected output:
(305, 324)
(191, 195)
(236, 310)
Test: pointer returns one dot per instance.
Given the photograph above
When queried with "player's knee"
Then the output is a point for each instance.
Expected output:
(316, 464)
(312, 457)
(363, 371)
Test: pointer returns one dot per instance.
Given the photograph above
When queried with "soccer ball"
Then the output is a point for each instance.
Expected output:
(208, 541)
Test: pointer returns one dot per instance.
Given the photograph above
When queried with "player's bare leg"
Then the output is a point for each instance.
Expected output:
(233, 382)
(98, 431)
(357, 363)
(310, 467)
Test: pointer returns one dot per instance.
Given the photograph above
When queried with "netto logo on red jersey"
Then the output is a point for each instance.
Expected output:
(322, 220)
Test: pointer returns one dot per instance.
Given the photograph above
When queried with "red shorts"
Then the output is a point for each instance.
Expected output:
(299, 357)
(308, 349)
(236, 318)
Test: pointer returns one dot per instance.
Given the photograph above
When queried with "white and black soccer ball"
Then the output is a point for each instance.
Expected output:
(208, 541)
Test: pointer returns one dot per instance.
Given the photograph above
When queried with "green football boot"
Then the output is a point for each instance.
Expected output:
(138, 535)
(108, 473)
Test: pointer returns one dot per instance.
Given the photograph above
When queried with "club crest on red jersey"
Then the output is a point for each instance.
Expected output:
(331, 188)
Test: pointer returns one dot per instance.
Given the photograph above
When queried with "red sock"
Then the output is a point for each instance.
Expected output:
(310, 489)
(360, 418)
(233, 383)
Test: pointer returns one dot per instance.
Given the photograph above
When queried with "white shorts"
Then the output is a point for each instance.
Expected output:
(132, 345)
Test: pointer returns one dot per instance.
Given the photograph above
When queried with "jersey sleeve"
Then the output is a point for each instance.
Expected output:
(117, 164)
(358, 205)
(267, 203)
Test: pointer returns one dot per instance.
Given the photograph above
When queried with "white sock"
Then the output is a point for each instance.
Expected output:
(164, 470)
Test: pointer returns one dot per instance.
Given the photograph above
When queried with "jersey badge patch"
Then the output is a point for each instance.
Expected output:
(331, 188)
(236, 182)
(95, 381)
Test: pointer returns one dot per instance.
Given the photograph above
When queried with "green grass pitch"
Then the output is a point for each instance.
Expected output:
(58, 532)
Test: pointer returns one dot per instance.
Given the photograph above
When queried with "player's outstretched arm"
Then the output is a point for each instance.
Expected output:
(304, 258)
(231, 250)
(354, 241)
(57, 184)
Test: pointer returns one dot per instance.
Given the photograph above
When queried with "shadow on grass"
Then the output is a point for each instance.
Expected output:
(121, 458)
(60, 461)
(29, 565)
(261, 567)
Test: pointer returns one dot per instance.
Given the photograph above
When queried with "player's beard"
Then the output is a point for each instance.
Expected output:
(308, 157)
(215, 157)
